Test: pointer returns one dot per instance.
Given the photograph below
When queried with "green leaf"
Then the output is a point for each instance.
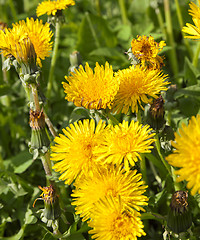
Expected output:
(30, 218)
(76, 236)
(124, 33)
(157, 162)
(15, 237)
(23, 167)
(20, 162)
(109, 52)
(79, 113)
(189, 106)
(193, 91)
(190, 72)
(94, 33)
(4, 90)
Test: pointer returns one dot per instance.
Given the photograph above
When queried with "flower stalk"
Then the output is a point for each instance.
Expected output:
(123, 11)
(170, 37)
(53, 60)
(46, 163)
(35, 97)
(158, 147)
(180, 19)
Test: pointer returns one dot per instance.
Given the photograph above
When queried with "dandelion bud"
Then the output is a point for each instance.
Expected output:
(75, 61)
(51, 203)
(39, 136)
(179, 217)
(156, 113)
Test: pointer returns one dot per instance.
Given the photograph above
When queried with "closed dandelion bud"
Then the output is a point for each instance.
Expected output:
(75, 61)
(39, 135)
(51, 209)
(155, 115)
(179, 217)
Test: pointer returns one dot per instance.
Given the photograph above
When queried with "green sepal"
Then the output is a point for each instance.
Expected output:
(7, 64)
(179, 222)
(156, 123)
(52, 210)
(40, 142)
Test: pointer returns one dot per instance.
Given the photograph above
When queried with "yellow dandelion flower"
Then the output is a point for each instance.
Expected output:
(112, 222)
(51, 7)
(32, 33)
(193, 30)
(92, 90)
(113, 181)
(194, 10)
(124, 143)
(146, 50)
(187, 154)
(75, 149)
(136, 85)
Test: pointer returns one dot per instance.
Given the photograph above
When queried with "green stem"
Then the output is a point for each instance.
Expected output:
(27, 89)
(50, 125)
(13, 10)
(170, 38)
(158, 147)
(180, 19)
(139, 117)
(53, 60)
(143, 168)
(35, 97)
(196, 56)
(46, 163)
(161, 22)
(177, 185)
(2, 167)
(123, 11)
(98, 7)
(158, 179)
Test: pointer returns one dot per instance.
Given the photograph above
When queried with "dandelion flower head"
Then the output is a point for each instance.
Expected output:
(186, 155)
(92, 90)
(111, 181)
(124, 143)
(74, 149)
(112, 222)
(146, 50)
(137, 85)
(51, 7)
(17, 41)
(193, 30)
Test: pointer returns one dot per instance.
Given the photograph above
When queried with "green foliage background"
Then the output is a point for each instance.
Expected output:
(100, 31)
